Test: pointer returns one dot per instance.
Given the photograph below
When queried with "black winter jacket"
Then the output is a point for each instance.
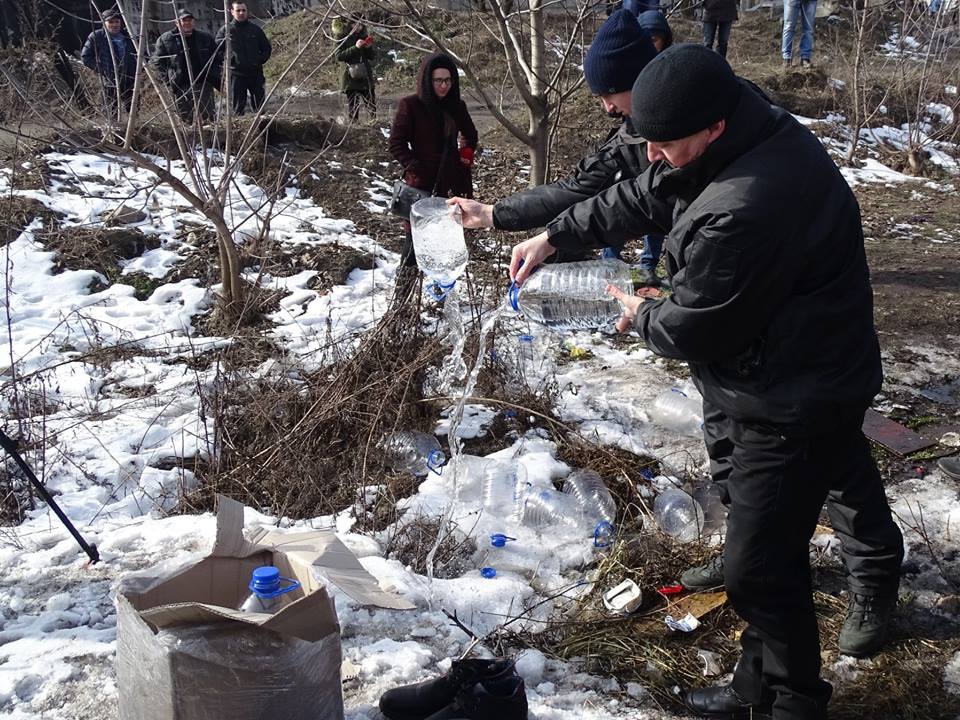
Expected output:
(772, 304)
(622, 157)
(99, 54)
(249, 48)
(720, 11)
(170, 60)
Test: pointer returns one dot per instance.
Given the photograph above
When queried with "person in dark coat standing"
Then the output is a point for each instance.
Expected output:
(718, 18)
(773, 311)
(249, 51)
(655, 23)
(617, 54)
(110, 53)
(186, 60)
(357, 82)
(424, 136)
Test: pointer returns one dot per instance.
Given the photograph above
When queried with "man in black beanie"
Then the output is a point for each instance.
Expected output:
(620, 50)
(772, 309)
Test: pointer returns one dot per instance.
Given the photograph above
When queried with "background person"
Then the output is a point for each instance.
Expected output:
(424, 137)
(110, 53)
(718, 19)
(357, 81)
(249, 51)
(806, 11)
(186, 60)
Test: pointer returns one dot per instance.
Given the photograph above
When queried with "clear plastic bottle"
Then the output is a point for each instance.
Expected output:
(437, 230)
(592, 494)
(571, 296)
(267, 592)
(675, 410)
(679, 515)
(463, 477)
(546, 507)
(413, 451)
(504, 484)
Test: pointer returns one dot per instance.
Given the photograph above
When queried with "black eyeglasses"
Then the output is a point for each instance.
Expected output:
(443, 81)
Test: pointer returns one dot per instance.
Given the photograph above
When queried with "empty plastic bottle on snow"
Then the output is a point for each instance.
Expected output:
(413, 451)
(572, 296)
(592, 494)
(268, 591)
(437, 230)
(504, 484)
(676, 410)
(679, 515)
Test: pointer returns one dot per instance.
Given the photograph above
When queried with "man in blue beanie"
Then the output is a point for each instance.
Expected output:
(655, 23)
(773, 311)
(620, 50)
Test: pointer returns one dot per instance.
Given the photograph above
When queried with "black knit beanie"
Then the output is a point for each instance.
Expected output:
(655, 23)
(619, 51)
(685, 89)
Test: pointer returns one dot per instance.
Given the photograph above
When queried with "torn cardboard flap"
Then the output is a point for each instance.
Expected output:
(210, 590)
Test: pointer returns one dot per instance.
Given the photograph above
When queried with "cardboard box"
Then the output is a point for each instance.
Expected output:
(185, 653)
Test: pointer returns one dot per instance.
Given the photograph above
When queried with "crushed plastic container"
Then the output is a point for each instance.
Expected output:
(438, 242)
(676, 410)
(268, 591)
(504, 484)
(592, 494)
(413, 451)
(572, 296)
(679, 515)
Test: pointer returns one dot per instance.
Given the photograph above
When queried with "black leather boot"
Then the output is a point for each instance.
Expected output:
(419, 701)
(502, 698)
(722, 702)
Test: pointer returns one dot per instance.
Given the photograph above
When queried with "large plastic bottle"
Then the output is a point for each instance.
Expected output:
(675, 410)
(545, 507)
(268, 591)
(504, 484)
(592, 494)
(437, 230)
(571, 296)
(413, 451)
(679, 515)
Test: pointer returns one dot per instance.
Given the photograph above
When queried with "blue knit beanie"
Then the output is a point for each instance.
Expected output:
(620, 50)
(655, 23)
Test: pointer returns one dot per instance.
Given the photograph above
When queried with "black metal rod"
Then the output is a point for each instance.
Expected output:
(11, 447)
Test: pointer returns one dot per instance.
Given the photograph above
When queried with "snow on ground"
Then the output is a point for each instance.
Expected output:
(117, 427)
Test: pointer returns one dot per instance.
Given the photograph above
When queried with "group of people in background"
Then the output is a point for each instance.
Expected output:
(189, 61)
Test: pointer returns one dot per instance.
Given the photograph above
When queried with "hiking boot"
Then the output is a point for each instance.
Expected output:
(721, 701)
(950, 466)
(787, 62)
(648, 278)
(704, 577)
(868, 619)
(805, 63)
(503, 698)
(420, 700)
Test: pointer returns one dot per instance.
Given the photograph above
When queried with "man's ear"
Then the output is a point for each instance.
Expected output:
(716, 130)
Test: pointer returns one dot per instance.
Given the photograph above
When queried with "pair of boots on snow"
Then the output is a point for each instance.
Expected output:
(472, 690)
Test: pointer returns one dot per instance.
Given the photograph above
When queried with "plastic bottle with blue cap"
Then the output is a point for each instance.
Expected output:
(268, 591)
(572, 296)
(413, 451)
(438, 243)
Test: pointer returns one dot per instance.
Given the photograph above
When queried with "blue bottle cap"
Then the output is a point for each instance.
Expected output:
(499, 539)
(265, 579)
(488, 572)
(646, 473)
(509, 414)
(603, 534)
(435, 461)
(526, 338)
(513, 296)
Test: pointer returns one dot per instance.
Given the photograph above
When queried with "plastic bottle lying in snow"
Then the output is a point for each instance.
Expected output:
(592, 494)
(679, 515)
(675, 410)
(504, 485)
(413, 451)
(268, 591)
(438, 243)
(571, 296)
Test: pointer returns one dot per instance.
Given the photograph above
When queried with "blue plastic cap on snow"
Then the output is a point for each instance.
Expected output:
(488, 572)
(499, 539)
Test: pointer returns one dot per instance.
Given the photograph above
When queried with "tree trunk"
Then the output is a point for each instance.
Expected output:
(539, 146)
(539, 116)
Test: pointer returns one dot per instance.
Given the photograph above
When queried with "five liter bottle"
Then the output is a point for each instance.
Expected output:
(268, 591)
(572, 296)
(413, 451)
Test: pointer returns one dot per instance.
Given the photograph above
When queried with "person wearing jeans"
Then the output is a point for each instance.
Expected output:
(806, 10)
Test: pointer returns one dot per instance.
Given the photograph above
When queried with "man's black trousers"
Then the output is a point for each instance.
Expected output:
(240, 86)
(776, 483)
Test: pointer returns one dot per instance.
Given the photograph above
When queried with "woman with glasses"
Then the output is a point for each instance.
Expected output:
(433, 137)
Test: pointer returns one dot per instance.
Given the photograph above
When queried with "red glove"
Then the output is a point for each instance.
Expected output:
(466, 156)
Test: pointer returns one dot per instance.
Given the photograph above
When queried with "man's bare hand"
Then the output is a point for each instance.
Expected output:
(630, 303)
(475, 214)
(528, 255)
